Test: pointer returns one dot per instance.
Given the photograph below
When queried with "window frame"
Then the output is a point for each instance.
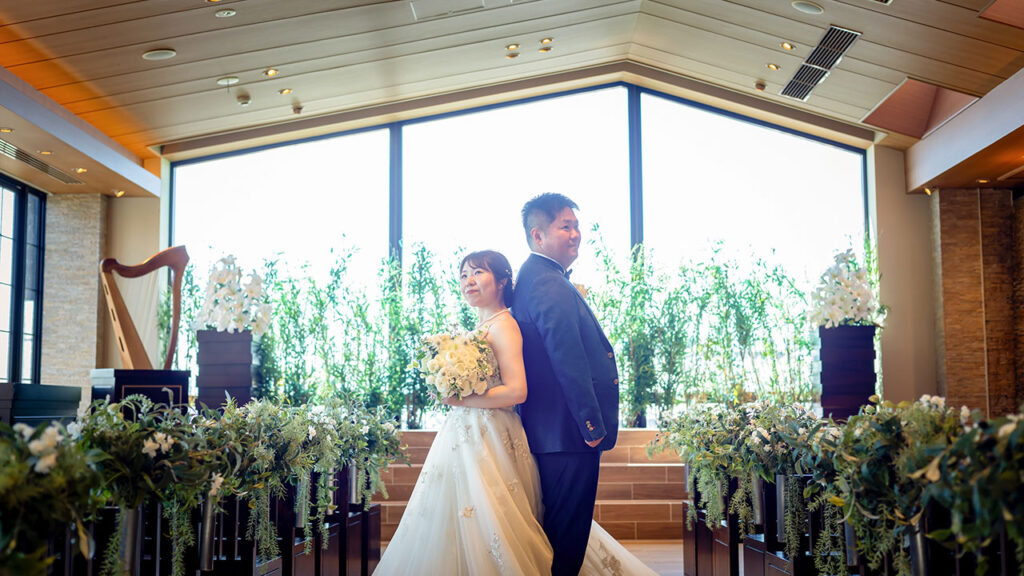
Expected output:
(16, 328)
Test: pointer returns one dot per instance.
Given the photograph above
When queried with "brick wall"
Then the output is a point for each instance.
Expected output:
(1018, 292)
(72, 295)
(974, 254)
(637, 498)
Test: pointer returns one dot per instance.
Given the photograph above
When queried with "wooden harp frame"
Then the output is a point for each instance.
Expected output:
(133, 354)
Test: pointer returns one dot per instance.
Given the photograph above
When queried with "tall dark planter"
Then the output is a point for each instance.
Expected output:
(847, 370)
(227, 366)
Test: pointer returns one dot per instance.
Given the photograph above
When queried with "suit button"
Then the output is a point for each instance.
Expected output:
(611, 355)
(616, 381)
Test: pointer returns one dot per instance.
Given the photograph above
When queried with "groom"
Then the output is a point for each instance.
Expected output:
(572, 405)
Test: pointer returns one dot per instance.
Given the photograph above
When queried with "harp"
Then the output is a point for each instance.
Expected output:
(133, 354)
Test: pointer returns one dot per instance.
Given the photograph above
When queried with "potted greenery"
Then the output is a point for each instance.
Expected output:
(48, 482)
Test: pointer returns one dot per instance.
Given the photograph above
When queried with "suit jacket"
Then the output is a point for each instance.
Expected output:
(571, 377)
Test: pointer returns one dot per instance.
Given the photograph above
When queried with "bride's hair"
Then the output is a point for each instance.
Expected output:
(495, 263)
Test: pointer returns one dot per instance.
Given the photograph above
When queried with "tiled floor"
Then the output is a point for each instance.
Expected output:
(663, 556)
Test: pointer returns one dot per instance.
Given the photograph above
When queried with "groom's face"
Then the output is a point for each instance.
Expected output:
(560, 241)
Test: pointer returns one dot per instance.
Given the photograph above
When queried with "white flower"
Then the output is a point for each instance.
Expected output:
(389, 427)
(164, 441)
(365, 429)
(75, 430)
(215, 483)
(25, 430)
(312, 432)
(45, 463)
(149, 448)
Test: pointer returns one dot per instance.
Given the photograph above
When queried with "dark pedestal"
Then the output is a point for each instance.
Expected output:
(754, 550)
(153, 384)
(6, 401)
(227, 367)
(847, 369)
(689, 542)
(36, 404)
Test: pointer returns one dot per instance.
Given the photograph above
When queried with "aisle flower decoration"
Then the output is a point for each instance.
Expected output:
(846, 295)
(147, 456)
(884, 450)
(47, 482)
(978, 479)
(228, 306)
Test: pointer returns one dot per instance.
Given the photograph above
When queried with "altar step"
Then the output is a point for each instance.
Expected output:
(637, 498)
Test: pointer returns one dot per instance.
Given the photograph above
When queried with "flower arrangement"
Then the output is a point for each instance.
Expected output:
(46, 483)
(847, 295)
(229, 306)
(131, 452)
(878, 460)
(457, 364)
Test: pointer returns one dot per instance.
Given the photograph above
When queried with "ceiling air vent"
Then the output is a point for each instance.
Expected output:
(830, 50)
(886, 2)
(12, 151)
(822, 58)
(805, 79)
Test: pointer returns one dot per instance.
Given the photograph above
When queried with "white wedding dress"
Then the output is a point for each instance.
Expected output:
(476, 508)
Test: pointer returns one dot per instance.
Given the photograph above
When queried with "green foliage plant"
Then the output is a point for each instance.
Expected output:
(47, 482)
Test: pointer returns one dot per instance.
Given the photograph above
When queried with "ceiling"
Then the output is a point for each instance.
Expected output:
(343, 55)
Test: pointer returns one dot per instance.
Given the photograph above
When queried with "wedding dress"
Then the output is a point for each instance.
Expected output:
(476, 508)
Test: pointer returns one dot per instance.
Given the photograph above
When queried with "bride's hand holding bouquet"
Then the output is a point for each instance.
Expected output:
(456, 365)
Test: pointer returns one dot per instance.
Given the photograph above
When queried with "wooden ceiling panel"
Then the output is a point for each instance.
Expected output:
(356, 99)
(575, 32)
(742, 83)
(770, 29)
(750, 60)
(946, 16)
(907, 36)
(400, 79)
(341, 55)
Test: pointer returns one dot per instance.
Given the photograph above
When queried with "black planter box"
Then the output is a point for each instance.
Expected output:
(847, 369)
(153, 384)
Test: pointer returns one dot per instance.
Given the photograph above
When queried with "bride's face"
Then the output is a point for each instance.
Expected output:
(478, 286)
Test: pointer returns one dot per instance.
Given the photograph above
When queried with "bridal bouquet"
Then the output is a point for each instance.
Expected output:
(456, 364)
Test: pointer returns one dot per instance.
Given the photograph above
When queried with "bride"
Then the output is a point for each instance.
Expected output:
(476, 507)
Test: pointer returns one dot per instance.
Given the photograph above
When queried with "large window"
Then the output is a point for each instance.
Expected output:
(21, 273)
(299, 204)
(466, 177)
(713, 182)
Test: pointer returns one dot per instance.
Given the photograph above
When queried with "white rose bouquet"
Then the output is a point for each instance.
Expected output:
(457, 364)
(231, 307)
(846, 295)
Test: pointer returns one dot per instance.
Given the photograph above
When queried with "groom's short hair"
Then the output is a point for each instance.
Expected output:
(542, 210)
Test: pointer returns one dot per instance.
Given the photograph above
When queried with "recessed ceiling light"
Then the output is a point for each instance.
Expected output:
(982, 180)
(159, 54)
(270, 72)
(212, 1)
(228, 80)
(512, 46)
(45, 152)
(284, 91)
(511, 55)
(774, 67)
(787, 46)
(544, 49)
(81, 170)
(119, 193)
(6, 130)
(546, 40)
(808, 7)
(225, 13)
(760, 85)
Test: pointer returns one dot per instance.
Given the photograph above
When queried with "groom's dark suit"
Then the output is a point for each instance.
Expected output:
(572, 398)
